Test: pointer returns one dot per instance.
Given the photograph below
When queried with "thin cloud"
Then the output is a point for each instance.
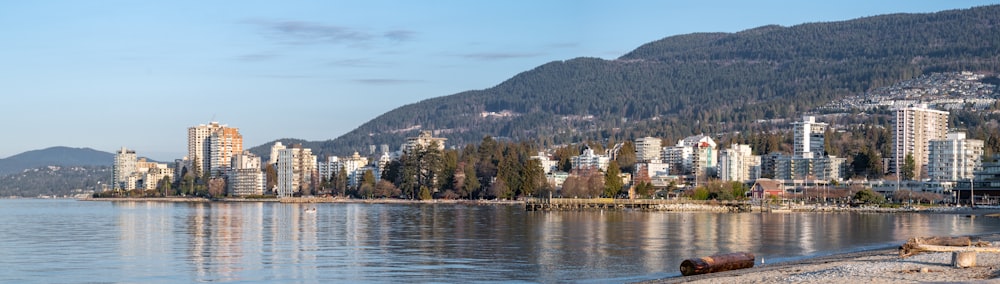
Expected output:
(399, 35)
(303, 32)
(499, 55)
(385, 81)
(255, 57)
(357, 63)
(564, 45)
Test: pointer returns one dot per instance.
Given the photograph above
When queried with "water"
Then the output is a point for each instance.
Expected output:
(66, 241)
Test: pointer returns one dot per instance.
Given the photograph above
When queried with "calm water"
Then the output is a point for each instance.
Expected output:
(65, 241)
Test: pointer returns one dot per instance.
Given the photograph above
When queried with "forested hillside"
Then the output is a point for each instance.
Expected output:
(698, 83)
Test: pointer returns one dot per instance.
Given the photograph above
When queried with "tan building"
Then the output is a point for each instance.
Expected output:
(424, 140)
(211, 147)
(648, 149)
(913, 129)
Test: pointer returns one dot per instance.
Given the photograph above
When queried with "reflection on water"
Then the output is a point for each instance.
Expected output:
(69, 241)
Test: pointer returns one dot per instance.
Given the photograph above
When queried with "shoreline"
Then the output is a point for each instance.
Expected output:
(303, 200)
(877, 265)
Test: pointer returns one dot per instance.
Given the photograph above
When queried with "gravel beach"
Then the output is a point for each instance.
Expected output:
(875, 266)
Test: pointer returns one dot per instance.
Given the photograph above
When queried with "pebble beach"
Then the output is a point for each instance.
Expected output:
(874, 266)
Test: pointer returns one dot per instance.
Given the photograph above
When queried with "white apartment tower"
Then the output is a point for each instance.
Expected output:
(913, 129)
(245, 177)
(648, 149)
(124, 168)
(295, 167)
(954, 158)
(809, 138)
(737, 163)
(211, 147)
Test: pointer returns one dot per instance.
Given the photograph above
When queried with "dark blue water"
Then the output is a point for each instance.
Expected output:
(66, 241)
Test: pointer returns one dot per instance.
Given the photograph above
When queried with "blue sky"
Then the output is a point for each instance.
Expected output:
(106, 74)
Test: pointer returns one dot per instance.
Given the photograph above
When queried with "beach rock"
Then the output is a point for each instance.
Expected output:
(963, 259)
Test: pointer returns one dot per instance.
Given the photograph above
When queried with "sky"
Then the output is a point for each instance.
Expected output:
(107, 74)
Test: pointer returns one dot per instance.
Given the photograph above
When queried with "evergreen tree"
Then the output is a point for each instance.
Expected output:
(612, 180)
(909, 167)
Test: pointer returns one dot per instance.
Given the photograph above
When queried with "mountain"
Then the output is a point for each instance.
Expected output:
(55, 156)
(55, 181)
(698, 83)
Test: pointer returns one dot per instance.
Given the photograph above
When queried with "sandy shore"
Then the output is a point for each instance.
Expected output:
(875, 266)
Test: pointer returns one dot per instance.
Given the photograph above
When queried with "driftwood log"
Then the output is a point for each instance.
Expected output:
(717, 263)
(915, 246)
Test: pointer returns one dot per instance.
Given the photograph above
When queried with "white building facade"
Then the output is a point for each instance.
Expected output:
(954, 158)
(738, 163)
(295, 167)
(245, 178)
(648, 149)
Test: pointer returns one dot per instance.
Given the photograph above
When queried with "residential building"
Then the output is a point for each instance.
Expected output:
(694, 155)
(123, 170)
(913, 129)
(548, 165)
(737, 163)
(355, 167)
(423, 140)
(211, 147)
(985, 184)
(590, 160)
(224, 144)
(953, 158)
(245, 176)
(151, 174)
(295, 167)
(329, 168)
(648, 149)
(809, 137)
(803, 168)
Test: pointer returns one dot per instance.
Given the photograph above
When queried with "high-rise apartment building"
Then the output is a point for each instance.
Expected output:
(124, 168)
(211, 147)
(913, 129)
(954, 158)
(809, 137)
(648, 149)
(295, 167)
(737, 163)
(245, 177)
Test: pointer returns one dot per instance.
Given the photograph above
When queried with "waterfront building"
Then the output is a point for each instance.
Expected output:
(151, 174)
(809, 137)
(423, 140)
(953, 158)
(548, 165)
(355, 167)
(737, 163)
(986, 187)
(648, 149)
(211, 147)
(329, 168)
(123, 170)
(695, 155)
(913, 129)
(590, 160)
(245, 177)
(803, 168)
(295, 167)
